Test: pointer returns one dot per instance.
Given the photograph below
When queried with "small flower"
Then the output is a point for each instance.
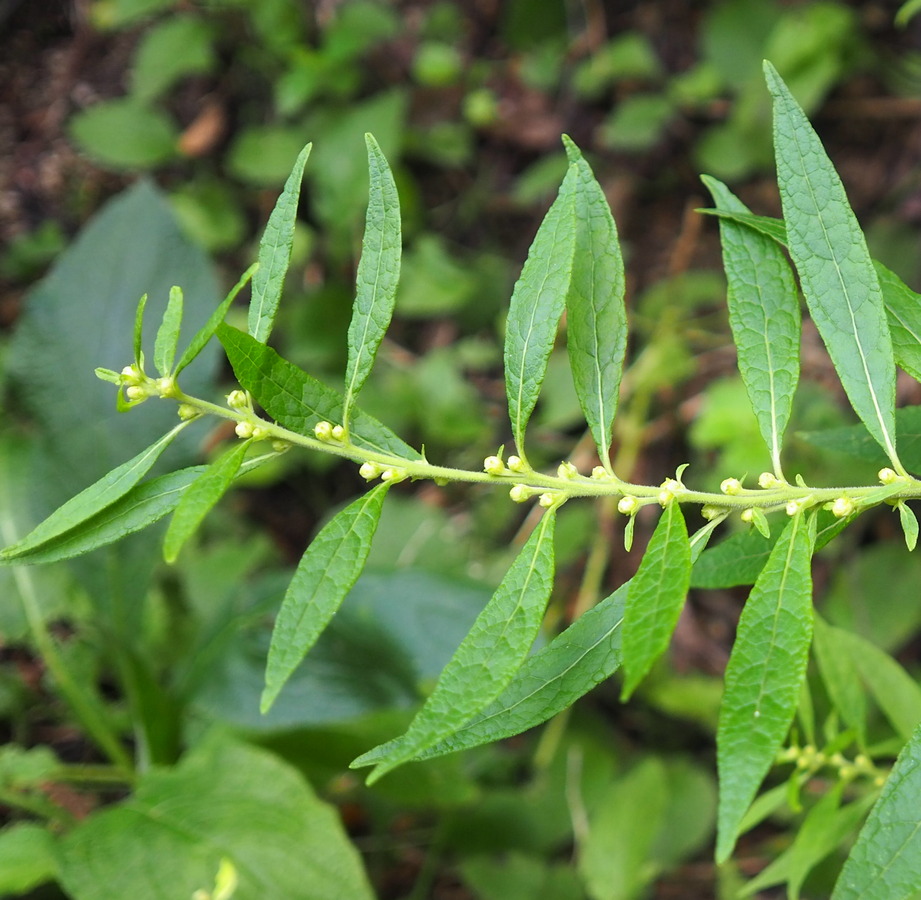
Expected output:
(244, 430)
(665, 497)
(369, 471)
(888, 476)
(260, 432)
(711, 512)
(628, 505)
(237, 400)
(187, 412)
(323, 431)
(842, 507)
(731, 486)
(768, 480)
(670, 484)
(793, 507)
(516, 464)
(547, 500)
(567, 470)
(393, 475)
(520, 493)
(136, 392)
(338, 433)
(492, 465)
(599, 472)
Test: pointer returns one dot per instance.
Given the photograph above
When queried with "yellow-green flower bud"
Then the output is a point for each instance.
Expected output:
(842, 507)
(888, 476)
(369, 471)
(731, 486)
(793, 507)
(665, 497)
(260, 432)
(547, 500)
(338, 433)
(520, 493)
(136, 393)
(492, 465)
(710, 512)
(747, 515)
(567, 470)
(237, 399)
(628, 505)
(323, 431)
(392, 475)
(768, 480)
(280, 446)
(244, 430)
(599, 472)
(186, 412)
(516, 464)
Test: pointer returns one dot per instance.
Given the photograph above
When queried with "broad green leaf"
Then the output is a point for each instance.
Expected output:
(94, 499)
(223, 802)
(298, 401)
(836, 273)
(764, 676)
(903, 310)
(275, 254)
(325, 574)
(487, 658)
(765, 319)
(168, 333)
(737, 559)
(200, 497)
(841, 679)
(596, 325)
(125, 134)
(657, 594)
(885, 863)
(536, 306)
(378, 275)
(206, 332)
(28, 858)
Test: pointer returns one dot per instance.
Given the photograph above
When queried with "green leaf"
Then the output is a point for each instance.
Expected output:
(765, 319)
(325, 574)
(736, 560)
(275, 254)
(139, 331)
(174, 48)
(841, 678)
(200, 497)
(224, 801)
(836, 273)
(909, 524)
(378, 276)
(764, 676)
(90, 501)
(885, 863)
(536, 307)
(596, 317)
(903, 310)
(487, 658)
(125, 134)
(657, 594)
(27, 858)
(766, 225)
(298, 401)
(206, 332)
(168, 333)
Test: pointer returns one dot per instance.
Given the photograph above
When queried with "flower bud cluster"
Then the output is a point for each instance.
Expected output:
(329, 433)
(371, 470)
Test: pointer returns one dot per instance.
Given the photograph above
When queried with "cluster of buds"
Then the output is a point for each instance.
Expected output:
(731, 486)
(493, 465)
(329, 433)
(370, 471)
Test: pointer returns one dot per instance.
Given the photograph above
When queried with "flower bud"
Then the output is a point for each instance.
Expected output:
(888, 476)
(842, 507)
(599, 472)
(338, 433)
(136, 393)
(628, 505)
(392, 475)
(260, 432)
(747, 515)
(492, 465)
(520, 493)
(280, 446)
(369, 471)
(731, 486)
(186, 412)
(665, 497)
(710, 512)
(767, 480)
(547, 500)
(567, 470)
(516, 464)
(244, 430)
(323, 431)
(237, 399)
(793, 507)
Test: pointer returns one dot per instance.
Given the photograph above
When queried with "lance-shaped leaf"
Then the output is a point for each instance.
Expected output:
(903, 310)
(536, 307)
(764, 677)
(885, 863)
(657, 593)
(90, 501)
(139, 331)
(764, 315)
(275, 254)
(298, 401)
(378, 274)
(487, 658)
(325, 574)
(596, 325)
(205, 333)
(766, 225)
(841, 679)
(168, 333)
(200, 497)
(836, 273)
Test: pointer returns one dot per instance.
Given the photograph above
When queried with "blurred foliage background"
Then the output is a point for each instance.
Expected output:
(190, 114)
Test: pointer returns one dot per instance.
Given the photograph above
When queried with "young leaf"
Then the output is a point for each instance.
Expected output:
(909, 524)
(325, 574)
(139, 332)
(275, 254)
(487, 658)
(378, 274)
(596, 328)
(91, 500)
(205, 333)
(168, 333)
(764, 676)
(885, 863)
(903, 310)
(536, 307)
(836, 273)
(765, 319)
(298, 401)
(657, 593)
(200, 497)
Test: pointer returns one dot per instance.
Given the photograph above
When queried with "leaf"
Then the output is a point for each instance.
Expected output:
(125, 134)
(298, 401)
(168, 333)
(909, 524)
(836, 273)
(139, 331)
(200, 497)
(903, 311)
(275, 254)
(172, 49)
(206, 332)
(765, 319)
(91, 500)
(596, 327)
(325, 574)
(841, 679)
(764, 677)
(536, 306)
(27, 858)
(224, 801)
(736, 560)
(770, 227)
(657, 593)
(487, 658)
(885, 863)
(378, 275)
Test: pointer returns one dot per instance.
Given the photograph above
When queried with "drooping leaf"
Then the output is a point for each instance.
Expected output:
(765, 319)
(168, 332)
(378, 275)
(487, 658)
(298, 401)
(224, 803)
(536, 306)
(836, 273)
(76, 511)
(657, 594)
(764, 676)
(596, 328)
(903, 310)
(200, 497)
(909, 524)
(885, 863)
(275, 254)
(325, 574)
